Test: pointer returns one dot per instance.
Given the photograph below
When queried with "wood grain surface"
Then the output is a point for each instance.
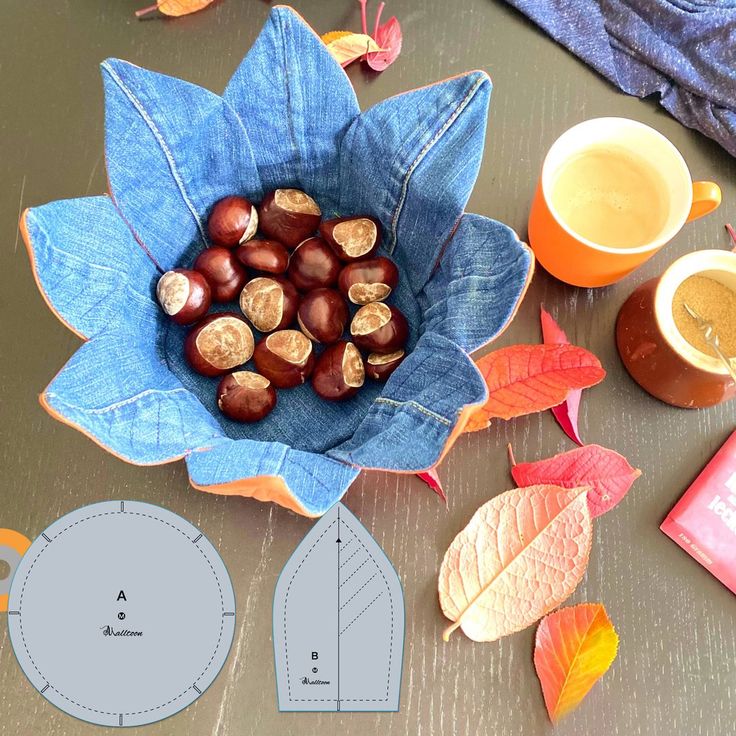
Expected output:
(676, 669)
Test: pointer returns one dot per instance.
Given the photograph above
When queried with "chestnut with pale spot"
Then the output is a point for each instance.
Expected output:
(270, 303)
(352, 238)
(289, 216)
(379, 366)
(233, 220)
(313, 265)
(266, 256)
(380, 328)
(246, 396)
(286, 358)
(223, 273)
(368, 281)
(323, 315)
(339, 372)
(184, 295)
(218, 344)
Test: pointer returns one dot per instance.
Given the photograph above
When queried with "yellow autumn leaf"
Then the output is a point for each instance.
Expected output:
(346, 48)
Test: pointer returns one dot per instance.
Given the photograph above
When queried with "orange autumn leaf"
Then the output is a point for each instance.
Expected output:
(175, 8)
(521, 555)
(328, 38)
(573, 648)
(523, 379)
(346, 48)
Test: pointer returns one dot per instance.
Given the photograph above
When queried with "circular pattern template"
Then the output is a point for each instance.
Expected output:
(121, 613)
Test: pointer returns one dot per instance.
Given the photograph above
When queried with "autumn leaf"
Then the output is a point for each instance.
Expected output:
(345, 49)
(608, 474)
(523, 379)
(328, 38)
(573, 649)
(521, 555)
(388, 36)
(174, 8)
(431, 478)
(565, 413)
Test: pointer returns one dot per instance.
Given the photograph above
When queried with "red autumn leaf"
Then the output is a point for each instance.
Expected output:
(431, 478)
(388, 36)
(608, 474)
(573, 649)
(520, 556)
(565, 413)
(523, 379)
(174, 8)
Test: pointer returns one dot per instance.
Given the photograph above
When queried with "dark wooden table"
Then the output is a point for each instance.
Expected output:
(676, 669)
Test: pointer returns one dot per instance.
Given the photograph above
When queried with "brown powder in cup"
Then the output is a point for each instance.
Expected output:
(715, 303)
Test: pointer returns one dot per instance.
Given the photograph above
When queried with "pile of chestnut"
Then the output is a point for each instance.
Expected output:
(289, 275)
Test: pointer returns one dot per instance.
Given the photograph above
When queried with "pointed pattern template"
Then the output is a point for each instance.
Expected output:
(338, 621)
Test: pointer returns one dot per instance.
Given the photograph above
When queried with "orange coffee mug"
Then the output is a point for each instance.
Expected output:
(612, 192)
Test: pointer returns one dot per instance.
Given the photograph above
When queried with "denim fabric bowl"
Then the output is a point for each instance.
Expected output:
(288, 118)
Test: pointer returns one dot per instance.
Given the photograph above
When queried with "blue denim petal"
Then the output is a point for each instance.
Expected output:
(479, 283)
(409, 425)
(296, 103)
(89, 267)
(413, 160)
(315, 481)
(173, 149)
(121, 395)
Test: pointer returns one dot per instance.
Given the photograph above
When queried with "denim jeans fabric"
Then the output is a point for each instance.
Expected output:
(680, 50)
(288, 117)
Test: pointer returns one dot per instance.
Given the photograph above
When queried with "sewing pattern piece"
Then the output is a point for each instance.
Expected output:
(338, 621)
(121, 613)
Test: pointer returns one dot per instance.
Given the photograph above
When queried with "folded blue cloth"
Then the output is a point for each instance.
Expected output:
(683, 51)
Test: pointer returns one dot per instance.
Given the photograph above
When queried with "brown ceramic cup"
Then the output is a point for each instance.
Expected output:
(651, 347)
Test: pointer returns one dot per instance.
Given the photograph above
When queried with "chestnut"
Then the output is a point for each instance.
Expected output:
(270, 303)
(246, 396)
(323, 315)
(286, 358)
(339, 372)
(379, 366)
(313, 265)
(379, 328)
(266, 256)
(184, 295)
(218, 344)
(232, 220)
(223, 272)
(289, 216)
(352, 237)
(368, 281)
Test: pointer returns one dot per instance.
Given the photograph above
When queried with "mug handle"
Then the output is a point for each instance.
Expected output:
(706, 198)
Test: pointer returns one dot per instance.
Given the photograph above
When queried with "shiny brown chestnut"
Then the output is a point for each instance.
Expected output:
(369, 281)
(379, 328)
(379, 366)
(286, 358)
(218, 344)
(269, 302)
(266, 256)
(313, 265)
(352, 238)
(289, 216)
(184, 295)
(323, 315)
(246, 396)
(232, 220)
(223, 272)
(339, 372)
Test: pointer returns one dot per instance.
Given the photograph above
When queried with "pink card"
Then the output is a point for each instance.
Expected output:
(703, 521)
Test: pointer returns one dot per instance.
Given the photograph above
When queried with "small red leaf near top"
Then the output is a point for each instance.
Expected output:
(573, 649)
(608, 474)
(523, 379)
(565, 413)
(388, 37)
(431, 478)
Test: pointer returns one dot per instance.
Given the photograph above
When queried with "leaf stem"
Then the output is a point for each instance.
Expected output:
(512, 459)
(446, 633)
(362, 16)
(146, 11)
(732, 233)
(378, 20)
